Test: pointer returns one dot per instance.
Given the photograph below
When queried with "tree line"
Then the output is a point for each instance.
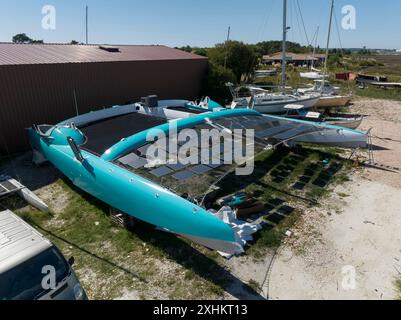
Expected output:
(235, 61)
(22, 38)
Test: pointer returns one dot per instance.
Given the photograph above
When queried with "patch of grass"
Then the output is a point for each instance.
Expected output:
(111, 260)
(189, 275)
(379, 93)
(255, 286)
(273, 237)
(398, 288)
(343, 195)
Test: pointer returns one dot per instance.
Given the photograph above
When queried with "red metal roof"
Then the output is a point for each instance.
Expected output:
(19, 54)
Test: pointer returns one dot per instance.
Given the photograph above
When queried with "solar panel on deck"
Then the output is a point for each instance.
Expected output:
(8, 185)
(215, 166)
(201, 169)
(106, 133)
(183, 175)
(161, 172)
(129, 158)
(143, 150)
(292, 133)
(176, 167)
(138, 163)
(273, 131)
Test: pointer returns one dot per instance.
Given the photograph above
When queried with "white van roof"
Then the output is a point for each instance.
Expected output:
(19, 241)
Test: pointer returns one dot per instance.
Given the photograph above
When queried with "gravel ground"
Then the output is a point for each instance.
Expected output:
(349, 248)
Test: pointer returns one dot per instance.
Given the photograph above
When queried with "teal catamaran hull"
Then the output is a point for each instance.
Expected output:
(92, 160)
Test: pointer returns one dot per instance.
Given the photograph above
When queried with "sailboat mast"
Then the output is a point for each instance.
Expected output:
(328, 43)
(284, 58)
(314, 49)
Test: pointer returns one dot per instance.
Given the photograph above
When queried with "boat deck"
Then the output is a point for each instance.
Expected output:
(102, 135)
(187, 110)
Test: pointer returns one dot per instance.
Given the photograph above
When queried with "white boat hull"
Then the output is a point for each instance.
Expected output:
(350, 124)
(333, 101)
(312, 75)
(337, 138)
(279, 107)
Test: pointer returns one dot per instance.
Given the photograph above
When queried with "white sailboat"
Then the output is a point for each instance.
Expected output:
(272, 103)
(329, 95)
(312, 75)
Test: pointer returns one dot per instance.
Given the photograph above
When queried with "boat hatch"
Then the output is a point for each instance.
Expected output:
(103, 134)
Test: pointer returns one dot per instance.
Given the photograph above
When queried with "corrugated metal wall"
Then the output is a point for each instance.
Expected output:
(44, 94)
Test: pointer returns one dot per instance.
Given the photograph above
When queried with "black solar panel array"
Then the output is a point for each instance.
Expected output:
(196, 179)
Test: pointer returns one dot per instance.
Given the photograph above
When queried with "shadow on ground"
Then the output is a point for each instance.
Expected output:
(190, 258)
(32, 176)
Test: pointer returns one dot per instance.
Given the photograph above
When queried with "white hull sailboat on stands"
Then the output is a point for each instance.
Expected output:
(330, 97)
(314, 74)
(274, 103)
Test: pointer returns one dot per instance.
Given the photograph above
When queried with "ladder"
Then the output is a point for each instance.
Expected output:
(8, 186)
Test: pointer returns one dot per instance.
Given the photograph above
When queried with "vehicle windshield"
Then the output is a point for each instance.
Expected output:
(24, 282)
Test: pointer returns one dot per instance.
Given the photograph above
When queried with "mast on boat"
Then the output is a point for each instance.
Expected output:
(284, 58)
(314, 49)
(328, 44)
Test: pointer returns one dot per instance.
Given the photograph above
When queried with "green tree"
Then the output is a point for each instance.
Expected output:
(270, 47)
(335, 61)
(74, 42)
(234, 55)
(200, 52)
(23, 38)
(186, 48)
(215, 83)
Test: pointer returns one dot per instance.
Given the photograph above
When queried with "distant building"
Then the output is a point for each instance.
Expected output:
(47, 83)
(298, 59)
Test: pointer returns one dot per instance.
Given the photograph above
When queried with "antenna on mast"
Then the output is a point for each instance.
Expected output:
(86, 24)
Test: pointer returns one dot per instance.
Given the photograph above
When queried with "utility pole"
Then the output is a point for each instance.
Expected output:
(228, 39)
(86, 19)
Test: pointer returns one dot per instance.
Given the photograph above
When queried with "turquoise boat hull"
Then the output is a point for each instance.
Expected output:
(133, 194)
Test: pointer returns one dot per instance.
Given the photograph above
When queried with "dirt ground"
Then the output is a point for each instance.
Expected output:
(349, 248)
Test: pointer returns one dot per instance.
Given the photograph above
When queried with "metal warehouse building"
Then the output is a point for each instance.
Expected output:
(39, 83)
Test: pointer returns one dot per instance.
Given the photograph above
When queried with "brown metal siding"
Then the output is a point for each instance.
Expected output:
(43, 94)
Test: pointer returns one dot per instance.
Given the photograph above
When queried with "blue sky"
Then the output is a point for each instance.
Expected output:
(200, 22)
